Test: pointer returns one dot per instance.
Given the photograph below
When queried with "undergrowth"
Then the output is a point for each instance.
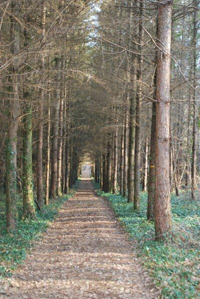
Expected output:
(175, 266)
(14, 246)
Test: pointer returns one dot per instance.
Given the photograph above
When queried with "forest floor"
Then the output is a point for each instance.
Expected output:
(85, 253)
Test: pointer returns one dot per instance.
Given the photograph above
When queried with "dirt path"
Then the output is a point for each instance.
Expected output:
(84, 254)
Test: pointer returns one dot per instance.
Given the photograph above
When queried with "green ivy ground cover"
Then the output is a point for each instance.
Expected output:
(14, 246)
(175, 266)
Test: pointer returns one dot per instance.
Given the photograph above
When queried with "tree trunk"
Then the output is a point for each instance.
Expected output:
(60, 149)
(195, 107)
(64, 144)
(125, 162)
(146, 165)
(162, 192)
(48, 154)
(108, 166)
(11, 148)
(104, 172)
(28, 199)
(40, 129)
(138, 117)
(115, 168)
(152, 167)
(54, 174)
(121, 162)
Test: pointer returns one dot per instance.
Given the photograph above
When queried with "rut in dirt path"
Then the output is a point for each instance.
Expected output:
(84, 254)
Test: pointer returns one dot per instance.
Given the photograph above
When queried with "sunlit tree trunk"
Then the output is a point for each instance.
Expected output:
(162, 191)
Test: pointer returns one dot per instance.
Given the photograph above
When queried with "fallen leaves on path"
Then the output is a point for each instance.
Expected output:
(84, 254)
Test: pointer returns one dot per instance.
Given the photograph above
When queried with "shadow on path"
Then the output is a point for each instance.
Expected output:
(84, 254)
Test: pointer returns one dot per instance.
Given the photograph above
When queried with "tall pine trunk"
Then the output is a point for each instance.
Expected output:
(162, 192)
(138, 115)
(195, 107)
(152, 167)
(40, 129)
(125, 160)
(48, 153)
(11, 148)
(28, 199)
(54, 172)
(115, 158)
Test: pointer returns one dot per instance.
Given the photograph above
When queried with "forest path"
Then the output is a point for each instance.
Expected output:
(85, 253)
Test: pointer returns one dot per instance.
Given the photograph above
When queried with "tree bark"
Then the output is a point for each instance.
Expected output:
(137, 155)
(54, 173)
(60, 148)
(48, 153)
(121, 162)
(40, 129)
(28, 199)
(194, 133)
(146, 165)
(125, 162)
(11, 148)
(115, 166)
(152, 167)
(162, 192)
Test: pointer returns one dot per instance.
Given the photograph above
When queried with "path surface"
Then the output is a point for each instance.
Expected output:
(84, 254)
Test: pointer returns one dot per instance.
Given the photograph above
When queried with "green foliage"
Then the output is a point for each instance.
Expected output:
(14, 246)
(175, 266)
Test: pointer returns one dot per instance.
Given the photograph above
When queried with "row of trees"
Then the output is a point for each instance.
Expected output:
(41, 42)
(145, 142)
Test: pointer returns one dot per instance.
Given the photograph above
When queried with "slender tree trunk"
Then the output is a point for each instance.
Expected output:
(115, 172)
(108, 165)
(104, 172)
(67, 153)
(54, 174)
(125, 162)
(152, 167)
(194, 134)
(146, 165)
(60, 148)
(28, 199)
(11, 148)
(64, 144)
(121, 166)
(187, 169)
(137, 156)
(162, 192)
(40, 129)
(48, 154)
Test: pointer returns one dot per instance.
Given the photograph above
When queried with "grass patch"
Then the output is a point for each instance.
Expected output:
(175, 266)
(14, 246)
